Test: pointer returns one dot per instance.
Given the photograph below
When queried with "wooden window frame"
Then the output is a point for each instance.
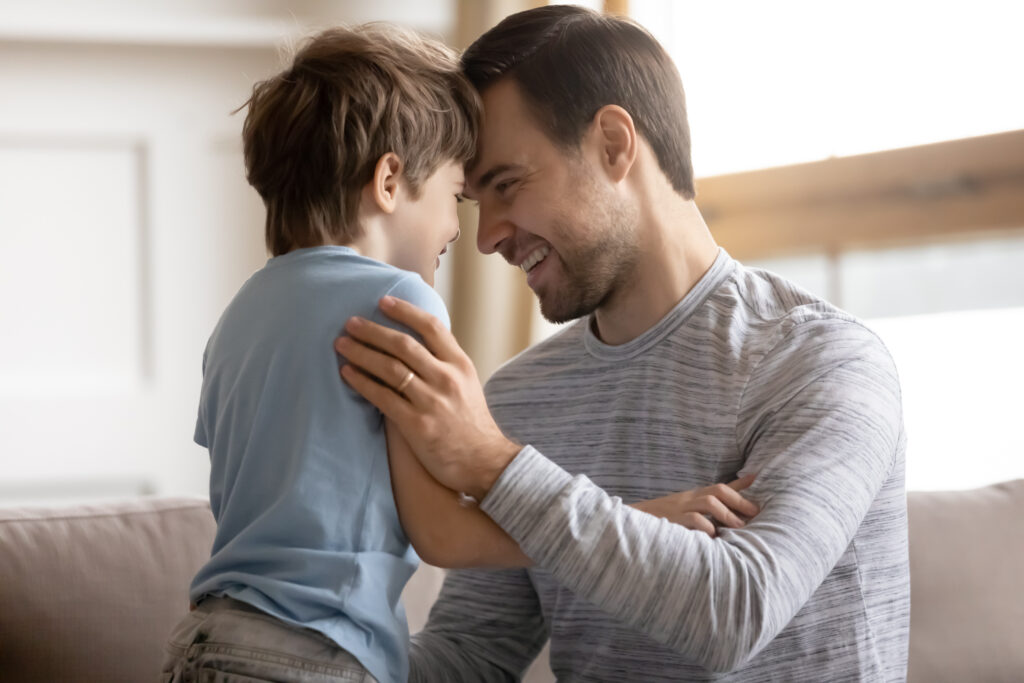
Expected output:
(897, 197)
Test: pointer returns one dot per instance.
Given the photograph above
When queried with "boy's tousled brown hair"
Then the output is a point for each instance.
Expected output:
(570, 61)
(314, 133)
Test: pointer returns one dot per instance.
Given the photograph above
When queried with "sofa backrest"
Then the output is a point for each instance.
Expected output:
(91, 593)
(967, 584)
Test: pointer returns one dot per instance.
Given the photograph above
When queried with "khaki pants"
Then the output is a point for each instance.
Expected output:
(227, 641)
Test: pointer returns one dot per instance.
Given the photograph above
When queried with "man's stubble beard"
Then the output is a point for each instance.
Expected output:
(602, 266)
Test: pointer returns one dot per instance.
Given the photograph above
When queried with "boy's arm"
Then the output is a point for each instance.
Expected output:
(443, 532)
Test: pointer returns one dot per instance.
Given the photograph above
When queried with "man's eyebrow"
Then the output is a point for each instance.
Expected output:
(488, 177)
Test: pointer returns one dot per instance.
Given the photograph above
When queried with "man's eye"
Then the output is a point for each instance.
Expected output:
(504, 186)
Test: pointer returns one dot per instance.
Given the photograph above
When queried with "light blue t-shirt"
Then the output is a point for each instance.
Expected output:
(307, 528)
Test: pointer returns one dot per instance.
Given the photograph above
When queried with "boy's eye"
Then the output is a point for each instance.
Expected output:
(459, 198)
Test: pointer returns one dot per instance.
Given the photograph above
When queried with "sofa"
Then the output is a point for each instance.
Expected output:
(89, 593)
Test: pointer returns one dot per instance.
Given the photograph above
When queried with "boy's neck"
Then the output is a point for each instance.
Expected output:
(372, 243)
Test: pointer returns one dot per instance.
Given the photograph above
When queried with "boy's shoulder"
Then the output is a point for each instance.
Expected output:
(324, 271)
(410, 287)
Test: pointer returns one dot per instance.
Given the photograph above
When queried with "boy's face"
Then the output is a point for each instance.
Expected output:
(423, 227)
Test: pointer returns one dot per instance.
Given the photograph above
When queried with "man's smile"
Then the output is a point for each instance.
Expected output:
(535, 257)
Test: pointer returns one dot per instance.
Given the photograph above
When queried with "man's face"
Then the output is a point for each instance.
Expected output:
(549, 211)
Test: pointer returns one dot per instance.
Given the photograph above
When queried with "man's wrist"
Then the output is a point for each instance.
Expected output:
(490, 468)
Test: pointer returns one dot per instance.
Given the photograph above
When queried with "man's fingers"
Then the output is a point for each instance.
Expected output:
(388, 370)
(367, 333)
(437, 338)
(384, 399)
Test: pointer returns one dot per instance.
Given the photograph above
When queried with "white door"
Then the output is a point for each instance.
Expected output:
(125, 226)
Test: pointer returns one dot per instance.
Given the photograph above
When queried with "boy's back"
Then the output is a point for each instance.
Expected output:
(359, 141)
(307, 529)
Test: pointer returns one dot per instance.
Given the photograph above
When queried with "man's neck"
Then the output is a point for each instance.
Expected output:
(676, 250)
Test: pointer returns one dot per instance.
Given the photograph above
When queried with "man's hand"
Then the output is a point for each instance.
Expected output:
(440, 407)
(700, 508)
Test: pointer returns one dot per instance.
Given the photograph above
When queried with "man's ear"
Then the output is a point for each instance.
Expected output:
(383, 189)
(617, 141)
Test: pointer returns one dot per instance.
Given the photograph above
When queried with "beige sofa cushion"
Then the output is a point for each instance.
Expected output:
(90, 593)
(967, 584)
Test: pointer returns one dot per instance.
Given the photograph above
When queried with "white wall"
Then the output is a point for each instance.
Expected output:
(126, 225)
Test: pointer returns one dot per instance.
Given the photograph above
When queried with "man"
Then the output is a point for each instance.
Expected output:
(684, 368)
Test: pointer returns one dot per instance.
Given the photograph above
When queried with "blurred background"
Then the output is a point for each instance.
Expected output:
(872, 152)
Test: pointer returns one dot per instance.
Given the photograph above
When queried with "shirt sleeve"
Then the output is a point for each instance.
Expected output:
(200, 435)
(821, 425)
(486, 627)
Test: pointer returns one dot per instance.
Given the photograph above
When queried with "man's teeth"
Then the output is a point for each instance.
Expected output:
(534, 258)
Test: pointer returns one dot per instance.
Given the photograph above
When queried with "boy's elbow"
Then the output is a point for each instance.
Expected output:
(434, 558)
(429, 552)
(438, 551)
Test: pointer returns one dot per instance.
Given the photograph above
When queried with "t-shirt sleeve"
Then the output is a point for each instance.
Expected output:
(413, 289)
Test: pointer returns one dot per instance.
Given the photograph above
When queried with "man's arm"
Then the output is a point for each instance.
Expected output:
(824, 441)
(448, 534)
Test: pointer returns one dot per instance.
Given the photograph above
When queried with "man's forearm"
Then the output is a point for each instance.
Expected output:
(718, 601)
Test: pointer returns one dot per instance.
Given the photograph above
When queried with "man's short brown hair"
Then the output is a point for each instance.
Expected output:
(570, 61)
(314, 133)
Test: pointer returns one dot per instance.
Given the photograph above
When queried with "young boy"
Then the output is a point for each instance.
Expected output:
(357, 151)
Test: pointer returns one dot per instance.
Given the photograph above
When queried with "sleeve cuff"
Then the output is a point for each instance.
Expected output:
(528, 487)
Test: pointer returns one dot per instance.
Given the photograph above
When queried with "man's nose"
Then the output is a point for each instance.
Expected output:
(493, 229)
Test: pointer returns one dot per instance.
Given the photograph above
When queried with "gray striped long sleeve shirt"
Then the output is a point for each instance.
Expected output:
(748, 374)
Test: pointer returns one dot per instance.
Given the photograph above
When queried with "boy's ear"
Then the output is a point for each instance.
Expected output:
(616, 139)
(385, 186)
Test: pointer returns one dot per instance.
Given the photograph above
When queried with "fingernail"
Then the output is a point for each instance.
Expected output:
(387, 301)
(355, 321)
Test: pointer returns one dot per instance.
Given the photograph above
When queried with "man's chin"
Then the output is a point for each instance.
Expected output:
(559, 312)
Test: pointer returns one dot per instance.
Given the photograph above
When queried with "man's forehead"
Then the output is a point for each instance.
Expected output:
(481, 168)
(503, 128)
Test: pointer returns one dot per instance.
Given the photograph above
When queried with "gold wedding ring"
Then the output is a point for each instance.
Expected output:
(405, 382)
